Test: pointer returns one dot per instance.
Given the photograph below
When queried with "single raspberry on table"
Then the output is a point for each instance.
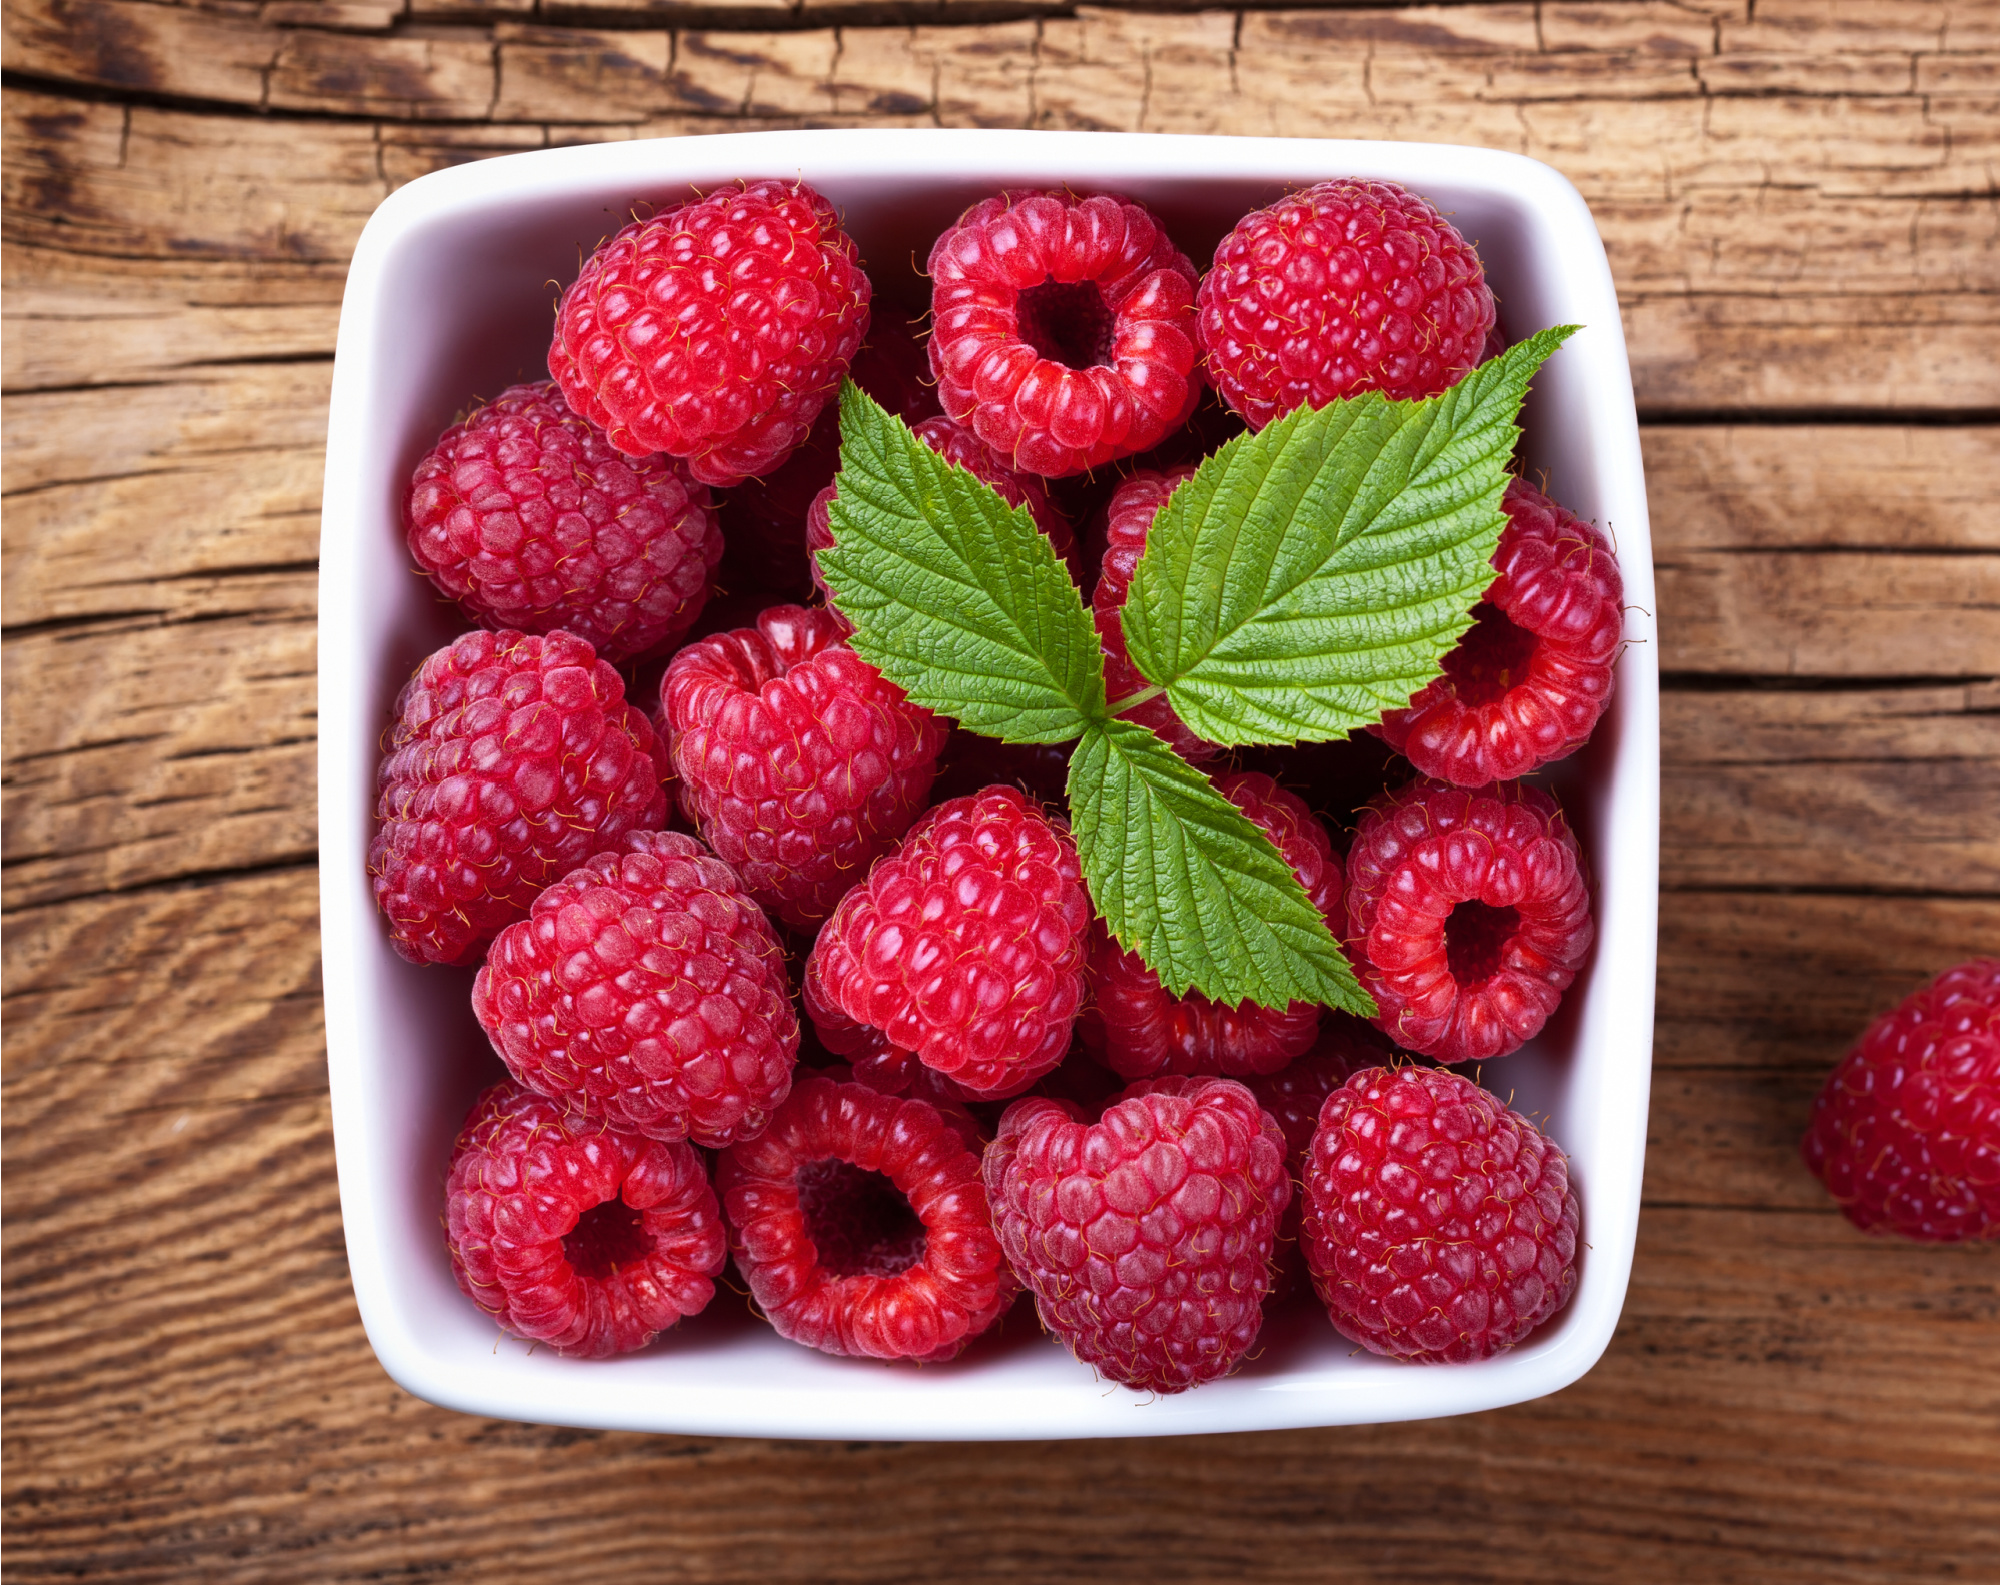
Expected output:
(529, 518)
(646, 991)
(964, 946)
(512, 758)
(800, 763)
(1467, 915)
(1147, 1236)
(1905, 1134)
(716, 330)
(574, 1234)
(1530, 678)
(1439, 1226)
(860, 1223)
(1062, 329)
(1135, 1028)
(1345, 287)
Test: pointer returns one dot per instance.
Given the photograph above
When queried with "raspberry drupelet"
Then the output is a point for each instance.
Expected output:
(1529, 680)
(1062, 329)
(800, 763)
(1905, 1134)
(1146, 1237)
(964, 946)
(645, 990)
(1345, 287)
(1439, 1227)
(714, 331)
(1136, 1029)
(528, 517)
(511, 759)
(576, 1235)
(860, 1223)
(1467, 915)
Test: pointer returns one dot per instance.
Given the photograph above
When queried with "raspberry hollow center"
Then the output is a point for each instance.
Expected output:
(1475, 936)
(1493, 657)
(605, 1237)
(859, 1221)
(1068, 323)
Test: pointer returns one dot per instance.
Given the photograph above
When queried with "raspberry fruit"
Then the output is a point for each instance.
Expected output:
(860, 1223)
(1467, 915)
(1062, 329)
(1136, 1029)
(528, 517)
(646, 991)
(964, 946)
(577, 1236)
(1529, 680)
(716, 330)
(1345, 287)
(800, 763)
(513, 757)
(1906, 1132)
(1439, 1226)
(1147, 1236)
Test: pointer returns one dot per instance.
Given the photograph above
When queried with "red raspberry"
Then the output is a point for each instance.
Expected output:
(1346, 287)
(575, 1235)
(1439, 1226)
(525, 515)
(860, 1223)
(1062, 329)
(1529, 680)
(800, 763)
(1905, 1134)
(646, 991)
(1467, 915)
(716, 330)
(1137, 1030)
(1146, 1237)
(964, 946)
(512, 758)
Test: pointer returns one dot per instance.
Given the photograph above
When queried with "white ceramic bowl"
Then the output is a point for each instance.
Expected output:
(450, 295)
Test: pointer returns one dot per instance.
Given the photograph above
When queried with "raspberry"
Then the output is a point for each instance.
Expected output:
(576, 1235)
(1439, 1226)
(1137, 1030)
(512, 758)
(1130, 513)
(1467, 916)
(860, 1223)
(1146, 1237)
(964, 946)
(800, 763)
(716, 330)
(1062, 329)
(1345, 287)
(526, 516)
(646, 991)
(1529, 680)
(1905, 1134)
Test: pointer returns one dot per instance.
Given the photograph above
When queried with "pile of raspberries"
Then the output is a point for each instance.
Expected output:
(786, 969)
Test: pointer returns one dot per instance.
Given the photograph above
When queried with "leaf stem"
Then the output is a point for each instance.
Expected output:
(1132, 701)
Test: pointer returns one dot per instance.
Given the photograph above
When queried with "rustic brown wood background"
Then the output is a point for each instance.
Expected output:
(1799, 197)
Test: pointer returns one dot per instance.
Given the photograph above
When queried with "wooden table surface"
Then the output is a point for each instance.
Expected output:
(1799, 201)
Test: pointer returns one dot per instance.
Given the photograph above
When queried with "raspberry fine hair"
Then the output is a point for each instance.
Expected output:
(574, 1235)
(646, 991)
(511, 759)
(1062, 329)
(716, 330)
(1905, 1133)
(860, 1223)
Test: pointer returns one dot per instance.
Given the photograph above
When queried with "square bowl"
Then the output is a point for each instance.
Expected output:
(449, 295)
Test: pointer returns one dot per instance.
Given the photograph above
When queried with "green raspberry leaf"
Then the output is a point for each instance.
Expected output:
(955, 596)
(1311, 576)
(1183, 877)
